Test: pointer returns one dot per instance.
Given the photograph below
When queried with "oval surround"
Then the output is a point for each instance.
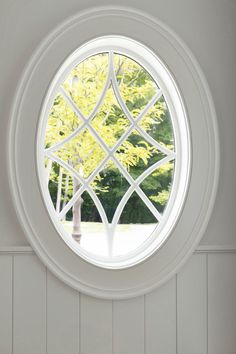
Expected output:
(181, 156)
(192, 222)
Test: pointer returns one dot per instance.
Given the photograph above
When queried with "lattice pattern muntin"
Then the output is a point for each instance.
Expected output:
(116, 146)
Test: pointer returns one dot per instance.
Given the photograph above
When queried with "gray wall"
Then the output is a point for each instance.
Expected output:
(195, 311)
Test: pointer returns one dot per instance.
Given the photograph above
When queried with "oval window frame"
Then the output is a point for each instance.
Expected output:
(149, 61)
(190, 226)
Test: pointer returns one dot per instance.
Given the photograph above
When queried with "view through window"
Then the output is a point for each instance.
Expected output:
(109, 154)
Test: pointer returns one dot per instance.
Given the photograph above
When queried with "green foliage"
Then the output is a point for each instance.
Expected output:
(84, 85)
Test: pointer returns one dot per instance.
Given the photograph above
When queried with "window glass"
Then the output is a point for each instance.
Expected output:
(110, 154)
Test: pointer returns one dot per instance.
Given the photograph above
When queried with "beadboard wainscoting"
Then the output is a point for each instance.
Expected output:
(194, 312)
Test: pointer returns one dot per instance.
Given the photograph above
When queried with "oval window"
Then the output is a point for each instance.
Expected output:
(113, 152)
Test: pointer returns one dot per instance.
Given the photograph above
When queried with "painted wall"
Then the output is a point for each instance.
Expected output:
(194, 312)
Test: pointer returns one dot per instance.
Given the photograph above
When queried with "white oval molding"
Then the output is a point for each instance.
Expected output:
(181, 156)
(191, 224)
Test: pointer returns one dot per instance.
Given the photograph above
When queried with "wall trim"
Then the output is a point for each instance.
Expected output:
(200, 249)
(216, 249)
(16, 250)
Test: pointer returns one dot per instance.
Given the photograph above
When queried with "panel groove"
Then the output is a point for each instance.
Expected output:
(46, 308)
(144, 324)
(176, 312)
(12, 304)
(207, 300)
(112, 326)
(79, 324)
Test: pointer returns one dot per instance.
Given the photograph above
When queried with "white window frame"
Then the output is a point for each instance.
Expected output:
(203, 176)
(181, 155)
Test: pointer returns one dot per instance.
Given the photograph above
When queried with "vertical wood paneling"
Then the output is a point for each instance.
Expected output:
(128, 326)
(29, 330)
(143, 325)
(62, 317)
(222, 304)
(160, 320)
(5, 304)
(192, 307)
(95, 325)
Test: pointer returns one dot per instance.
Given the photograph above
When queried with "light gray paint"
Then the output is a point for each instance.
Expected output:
(192, 306)
(6, 273)
(62, 317)
(221, 304)
(207, 27)
(194, 312)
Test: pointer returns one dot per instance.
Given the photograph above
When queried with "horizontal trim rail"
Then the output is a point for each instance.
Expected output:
(200, 249)
(16, 250)
(216, 249)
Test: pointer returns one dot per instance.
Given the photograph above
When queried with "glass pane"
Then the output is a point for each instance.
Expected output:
(86, 81)
(136, 85)
(110, 186)
(110, 121)
(83, 223)
(157, 185)
(83, 153)
(136, 224)
(62, 121)
(136, 154)
(157, 123)
(60, 185)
